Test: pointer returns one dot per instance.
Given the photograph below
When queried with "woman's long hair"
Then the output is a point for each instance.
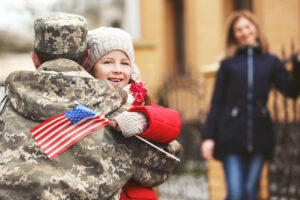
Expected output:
(231, 44)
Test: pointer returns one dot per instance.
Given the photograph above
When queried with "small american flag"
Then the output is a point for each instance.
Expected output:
(59, 133)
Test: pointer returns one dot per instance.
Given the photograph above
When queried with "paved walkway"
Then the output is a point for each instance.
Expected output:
(184, 187)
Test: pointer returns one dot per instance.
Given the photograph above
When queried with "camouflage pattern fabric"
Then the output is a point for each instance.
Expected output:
(41, 95)
(96, 167)
(60, 33)
(3, 97)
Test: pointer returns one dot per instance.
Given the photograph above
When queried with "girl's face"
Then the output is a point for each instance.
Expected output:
(244, 32)
(113, 66)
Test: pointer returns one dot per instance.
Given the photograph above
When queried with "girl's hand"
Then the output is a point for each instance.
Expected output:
(207, 148)
(115, 125)
(130, 123)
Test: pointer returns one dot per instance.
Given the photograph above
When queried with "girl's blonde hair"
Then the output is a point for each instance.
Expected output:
(231, 44)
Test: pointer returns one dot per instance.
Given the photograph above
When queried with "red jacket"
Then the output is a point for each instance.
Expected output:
(164, 123)
(137, 192)
(164, 127)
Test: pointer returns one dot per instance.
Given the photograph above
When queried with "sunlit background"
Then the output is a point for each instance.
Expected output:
(17, 17)
(178, 47)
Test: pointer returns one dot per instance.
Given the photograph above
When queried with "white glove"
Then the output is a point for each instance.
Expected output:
(131, 123)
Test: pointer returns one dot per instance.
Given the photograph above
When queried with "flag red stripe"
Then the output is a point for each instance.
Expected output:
(85, 132)
(53, 131)
(58, 133)
(38, 129)
(59, 142)
(65, 132)
(63, 135)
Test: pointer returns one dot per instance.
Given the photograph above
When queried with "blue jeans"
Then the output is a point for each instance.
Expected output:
(242, 176)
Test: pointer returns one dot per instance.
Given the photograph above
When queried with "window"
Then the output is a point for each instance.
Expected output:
(243, 4)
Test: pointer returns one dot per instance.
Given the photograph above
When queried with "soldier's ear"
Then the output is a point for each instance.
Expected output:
(35, 60)
(86, 61)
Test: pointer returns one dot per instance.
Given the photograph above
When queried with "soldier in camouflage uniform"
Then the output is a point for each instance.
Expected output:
(97, 166)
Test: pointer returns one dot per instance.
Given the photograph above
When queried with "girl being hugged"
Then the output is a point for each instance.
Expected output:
(238, 129)
(112, 59)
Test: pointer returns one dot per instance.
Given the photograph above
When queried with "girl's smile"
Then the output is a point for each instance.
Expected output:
(114, 67)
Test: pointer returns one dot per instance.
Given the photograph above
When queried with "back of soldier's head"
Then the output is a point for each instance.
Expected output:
(60, 35)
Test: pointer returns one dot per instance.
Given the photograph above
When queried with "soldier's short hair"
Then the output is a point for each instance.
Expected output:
(78, 58)
(60, 33)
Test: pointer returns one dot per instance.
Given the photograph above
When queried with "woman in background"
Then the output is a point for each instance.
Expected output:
(238, 129)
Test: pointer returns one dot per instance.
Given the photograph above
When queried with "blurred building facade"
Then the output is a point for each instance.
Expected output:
(186, 37)
(172, 37)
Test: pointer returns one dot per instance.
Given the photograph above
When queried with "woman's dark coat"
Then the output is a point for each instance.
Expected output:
(239, 121)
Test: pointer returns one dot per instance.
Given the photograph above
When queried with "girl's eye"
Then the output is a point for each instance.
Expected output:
(107, 62)
(125, 63)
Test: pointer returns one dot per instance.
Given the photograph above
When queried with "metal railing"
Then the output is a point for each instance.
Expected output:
(284, 170)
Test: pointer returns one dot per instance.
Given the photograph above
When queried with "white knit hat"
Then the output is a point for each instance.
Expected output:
(105, 39)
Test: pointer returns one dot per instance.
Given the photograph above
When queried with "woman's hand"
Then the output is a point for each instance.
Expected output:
(207, 149)
(298, 57)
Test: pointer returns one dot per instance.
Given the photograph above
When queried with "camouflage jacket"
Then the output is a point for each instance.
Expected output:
(97, 166)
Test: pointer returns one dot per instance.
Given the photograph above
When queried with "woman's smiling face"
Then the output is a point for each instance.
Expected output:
(114, 67)
(245, 32)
